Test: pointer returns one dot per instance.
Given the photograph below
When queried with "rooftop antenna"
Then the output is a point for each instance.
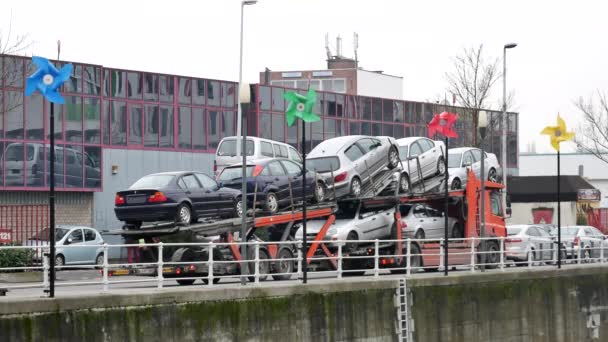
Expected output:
(338, 46)
(327, 46)
(355, 47)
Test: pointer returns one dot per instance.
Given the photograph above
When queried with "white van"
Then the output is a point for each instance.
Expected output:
(257, 148)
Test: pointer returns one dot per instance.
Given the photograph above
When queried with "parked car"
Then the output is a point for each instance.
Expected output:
(269, 180)
(353, 222)
(183, 197)
(256, 149)
(353, 160)
(463, 158)
(78, 238)
(588, 239)
(421, 157)
(421, 221)
(528, 242)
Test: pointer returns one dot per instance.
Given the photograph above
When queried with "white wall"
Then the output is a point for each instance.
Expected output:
(521, 213)
(379, 85)
(132, 165)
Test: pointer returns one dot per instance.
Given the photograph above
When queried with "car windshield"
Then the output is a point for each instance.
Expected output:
(45, 234)
(228, 148)
(235, 172)
(404, 209)
(15, 153)
(513, 230)
(347, 211)
(454, 159)
(152, 182)
(324, 164)
(403, 152)
(566, 231)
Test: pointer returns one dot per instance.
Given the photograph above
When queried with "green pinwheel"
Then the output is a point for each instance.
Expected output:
(300, 106)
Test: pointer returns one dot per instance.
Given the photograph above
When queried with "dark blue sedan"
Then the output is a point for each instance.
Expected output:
(183, 197)
(273, 177)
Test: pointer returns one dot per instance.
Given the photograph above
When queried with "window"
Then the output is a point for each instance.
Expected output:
(292, 168)
(185, 91)
(366, 128)
(92, 170)
(276, 169)
(415, 150)
(73, 118)
(151, 126)
(206, 181)
(92, 80)
(213, 93)
(264, 98)
(118, 83)
(184, 125)
(89, 235)
(329, 105)
(228, 124)
(353, 153)
(76, 236)
(265, 126)
(191, 182)
(278, 127)
(134, 85)
(279, 151)
(476, 155)
(135, 124)
(377, 109)
(366, 145)
(92, 120)
(13, 115)
(13, 72)
(366, 108)
(228, 94)
(355, 128)
(166, 88)
(496, 206)
(387, 130)
(387, 112)
(266, 149)
(74, 83)
(467, 159)
(426, 144)
(531, 231)
(294, 155)
(376, 129)
(199, 91)
(420, 211)
(34, 124)
(166, 126)
(213, 133)
(151, 87)
(118, 123)
(199, 130)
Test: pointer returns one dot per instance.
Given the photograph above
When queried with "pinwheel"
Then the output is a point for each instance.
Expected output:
(47, 79)
(300, 106)
(445, 129)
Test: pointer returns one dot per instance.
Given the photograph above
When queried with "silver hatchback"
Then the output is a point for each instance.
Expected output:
(352, 161)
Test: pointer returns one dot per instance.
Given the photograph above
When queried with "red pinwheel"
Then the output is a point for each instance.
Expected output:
(442, 123)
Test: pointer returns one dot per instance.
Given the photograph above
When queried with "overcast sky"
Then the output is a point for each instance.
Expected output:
(562, 49)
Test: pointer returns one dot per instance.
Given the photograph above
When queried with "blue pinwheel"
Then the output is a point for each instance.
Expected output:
(47, 79)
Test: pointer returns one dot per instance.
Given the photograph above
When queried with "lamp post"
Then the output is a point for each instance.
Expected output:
(242, 133)
(482, 123)
(504, 120)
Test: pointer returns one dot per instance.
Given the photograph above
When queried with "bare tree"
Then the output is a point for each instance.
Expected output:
(471, 82)
(592, 134)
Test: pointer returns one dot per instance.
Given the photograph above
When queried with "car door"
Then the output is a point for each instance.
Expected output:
(593, 241)
(415, 162)
(421, 219)
(468, 160)
(476, 167)
(371, 158)
(369, 226)
(76, 253)
(426, 159)
(279, 180)
(355, 154)
(543, 242)
(295, 177)
(202, 203)
(435, 223)
(90, 240)
(210, 196)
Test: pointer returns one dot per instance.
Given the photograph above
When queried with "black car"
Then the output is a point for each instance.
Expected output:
(183, 197)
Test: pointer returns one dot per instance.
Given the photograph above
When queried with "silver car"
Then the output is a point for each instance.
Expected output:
(463, 158)
(424, 157)
(354, 160)
(589, 240)
(353, 222)
(421, 221)
(84, 245)
(528, 242)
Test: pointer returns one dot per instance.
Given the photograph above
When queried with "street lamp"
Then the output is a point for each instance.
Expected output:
(244, 96)
(482, 123)
(504, 120)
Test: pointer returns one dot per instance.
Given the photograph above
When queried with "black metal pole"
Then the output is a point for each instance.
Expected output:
(243, 133)
(304, 245)
(559, 217)
(445, 215)
(52, 202)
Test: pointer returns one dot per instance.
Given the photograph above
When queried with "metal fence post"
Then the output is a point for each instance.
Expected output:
(257, 263)
(339, 260)
(159, 265)
(441, 253)
(502, 253)
(299, 263)
(376, 259)
(601, 254)
(408, 259)
(106, 281)
(473, 254)
(45, 271)
(578, 254)
(210, 266)
(530, 259)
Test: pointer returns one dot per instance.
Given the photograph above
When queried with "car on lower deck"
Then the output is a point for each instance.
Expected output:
(421, 221)
(274, 183)
(183, 197)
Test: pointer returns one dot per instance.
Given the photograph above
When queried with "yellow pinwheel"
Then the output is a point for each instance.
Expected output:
(558, 133)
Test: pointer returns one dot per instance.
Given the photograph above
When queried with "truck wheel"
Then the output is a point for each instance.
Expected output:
(264, 265)
(206, 280)
(493, 255)
(284, 266)
(350, 247)
(456, 185)
(185, 281)
(415, 259)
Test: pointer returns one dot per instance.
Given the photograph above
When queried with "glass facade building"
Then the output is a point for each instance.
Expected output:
(107, 108)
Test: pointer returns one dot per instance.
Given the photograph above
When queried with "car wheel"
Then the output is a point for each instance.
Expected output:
(440, 166)
(272, 203)
(456, 185)
(415, 259)
(284, 264)
(419, 235)
(355, 187)
(404, 183)
(183, 214)
(185, 281)
(238, 207)
(350, 247)
(134, 224)
(456, 231)
(493, 175)
(99, 259)
(264, 265)
(492, 255)
(206, 280)
(59, 261)
(393, 158)
(319, 194)
(587, 256)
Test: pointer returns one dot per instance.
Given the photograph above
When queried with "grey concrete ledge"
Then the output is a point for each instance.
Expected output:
(184, 295)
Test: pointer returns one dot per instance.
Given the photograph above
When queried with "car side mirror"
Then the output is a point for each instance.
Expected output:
(220, 184)
(508, 211)
(68, 241)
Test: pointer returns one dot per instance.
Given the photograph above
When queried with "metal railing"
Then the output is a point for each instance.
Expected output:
(213, 262)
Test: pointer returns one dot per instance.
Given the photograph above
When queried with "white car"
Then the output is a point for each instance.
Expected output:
(353, 222)
(421, 157)
(421, 221)
(463, 158)
(528, 242)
